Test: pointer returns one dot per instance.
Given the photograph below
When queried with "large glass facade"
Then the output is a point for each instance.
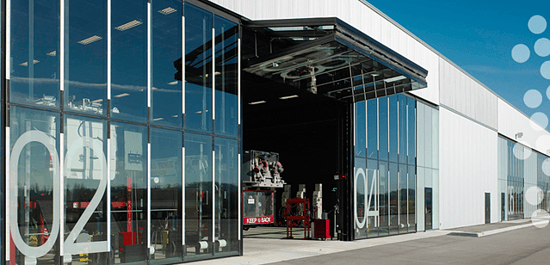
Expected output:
(105, 172)
(520, 172)
(385, 176)
(427, 184)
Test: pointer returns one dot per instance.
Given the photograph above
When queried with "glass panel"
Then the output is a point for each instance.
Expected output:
(227, 192)
(420, 200)
(166, 38)
(384, 199)
(128, 193)
(85, 187)
(198, 69)
(383, 128)
(166, 201)
(129, 60)
(373, 221)
(428, 137)
(402, 129)
(360, 198)
(403, 199)
(393, 129)
(226, 77)
(412, 199)
(34, 183)
(372, 130)
(394, 208)
(360, 129)
(411, 131)
(428, 197)
(198, 196)
(421, 135)
(34, 53)
(86, 56)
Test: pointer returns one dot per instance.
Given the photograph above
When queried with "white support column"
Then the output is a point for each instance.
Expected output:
(149, 54)
(109, 50)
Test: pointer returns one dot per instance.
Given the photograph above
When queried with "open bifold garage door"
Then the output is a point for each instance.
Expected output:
(299, 82)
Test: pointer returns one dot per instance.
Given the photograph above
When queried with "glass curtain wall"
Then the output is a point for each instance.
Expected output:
(427, 185)
(520, 171)
(99, 147)
(385, 162)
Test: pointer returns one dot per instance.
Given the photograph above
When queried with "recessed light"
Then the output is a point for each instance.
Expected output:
(89, 40)
(129, 25)
(173, 83)
(122, 95)
(289, 97)
(174, 116)
(394, 79)
(54, 53)
(167, 11)
(97, 100)
(257, 102)
(158, 119)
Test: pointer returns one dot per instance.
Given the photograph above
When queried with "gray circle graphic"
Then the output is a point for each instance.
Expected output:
(521, 53)
(545, 70)
(540, 119)
(537, 24)
(542, 47)
(532, 98)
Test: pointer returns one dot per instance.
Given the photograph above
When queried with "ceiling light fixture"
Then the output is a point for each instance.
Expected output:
(158, 119)
(27, 63)
(122, 95)
(167, 11)
(129, 25)
(173, 83)
(289, 97)
(97, 100)
(257, 102)
(54, 53)
(394, 79)
(89, 40)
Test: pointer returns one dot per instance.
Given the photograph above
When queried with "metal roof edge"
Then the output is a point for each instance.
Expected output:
(369, 5)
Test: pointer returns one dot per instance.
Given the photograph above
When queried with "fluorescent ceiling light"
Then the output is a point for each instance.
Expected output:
(89, 40)
(27, 63)
(158, 119)
(154, 88)
(122, 95)
(394, 79)
(257, 102)
(174, 116)
(97, 100)
(167, 11)
(54, 53)
(289, 97)
(129, 25)
(173, 83)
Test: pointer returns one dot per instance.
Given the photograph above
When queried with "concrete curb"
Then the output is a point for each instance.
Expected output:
(496, 231)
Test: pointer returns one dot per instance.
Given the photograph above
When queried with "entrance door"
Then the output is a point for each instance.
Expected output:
(428, 219)
(487, 208)
(502, 206)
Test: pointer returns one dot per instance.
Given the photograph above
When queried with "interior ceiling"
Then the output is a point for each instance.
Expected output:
(327, 57)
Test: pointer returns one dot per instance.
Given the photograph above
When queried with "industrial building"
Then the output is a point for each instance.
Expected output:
(127, 125)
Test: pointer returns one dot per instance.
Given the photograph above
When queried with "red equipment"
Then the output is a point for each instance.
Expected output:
(322, 228)
(291, 218)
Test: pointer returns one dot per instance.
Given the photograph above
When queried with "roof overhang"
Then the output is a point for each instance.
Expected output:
(329, 57)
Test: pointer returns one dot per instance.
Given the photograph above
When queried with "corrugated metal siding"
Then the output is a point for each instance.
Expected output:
(511, 121)
(465, 95)
(468, 169)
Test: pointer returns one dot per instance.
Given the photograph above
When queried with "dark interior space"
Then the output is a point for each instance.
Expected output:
(303, 129)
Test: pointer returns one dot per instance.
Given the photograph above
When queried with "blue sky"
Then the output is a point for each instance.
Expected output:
(479, 37)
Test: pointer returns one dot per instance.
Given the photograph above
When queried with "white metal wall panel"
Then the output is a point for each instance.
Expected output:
(465, 95)
(468, 169)
(511, 121)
